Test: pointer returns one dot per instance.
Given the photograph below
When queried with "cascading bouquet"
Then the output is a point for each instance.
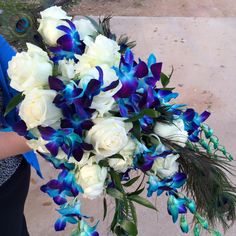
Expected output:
(104, 120)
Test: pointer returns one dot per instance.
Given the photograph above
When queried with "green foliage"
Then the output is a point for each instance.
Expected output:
(105, 208)
(129, 227)
(165, 79)
(142, 201)
(136, 130)
(14, 102)
(115, 193)
(145, 112)
(131, 182)
(137, 192)
(125, 218)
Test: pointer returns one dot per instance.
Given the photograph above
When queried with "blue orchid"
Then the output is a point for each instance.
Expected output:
(145, 157)
(57, 163)
(69, 97)
(192, 121)
(176, 206)
(60, 224)
(71, 213)
(68, 139)
(148, 73)
(75, 99)
(168, 184)
(69, 44)
(139, 90)
(63, 187)
(127, 75)
(86, 230)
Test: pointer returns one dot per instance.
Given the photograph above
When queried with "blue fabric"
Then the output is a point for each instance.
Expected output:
(6, 53)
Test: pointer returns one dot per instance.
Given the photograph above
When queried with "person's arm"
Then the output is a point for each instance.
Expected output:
(11, 144)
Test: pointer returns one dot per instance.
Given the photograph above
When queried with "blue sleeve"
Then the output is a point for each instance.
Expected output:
(6, 54)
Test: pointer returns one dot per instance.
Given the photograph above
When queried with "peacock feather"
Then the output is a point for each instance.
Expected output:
(18, 19)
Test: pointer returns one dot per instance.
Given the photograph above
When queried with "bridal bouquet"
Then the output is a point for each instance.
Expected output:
(108, 123)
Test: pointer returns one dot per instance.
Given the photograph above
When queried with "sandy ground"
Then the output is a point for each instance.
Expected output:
(203, 54)
(208, 8)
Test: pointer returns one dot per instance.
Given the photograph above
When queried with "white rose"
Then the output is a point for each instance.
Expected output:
(108, 136)
(54, 12)
(29, 69)
(174, 132)
(51, 18)
(67, 68)
(166, 167)
(38, 109)
(122, 165)
(85, 28)
(104, 101)
(102, 105)
(92, 178)
(102, 51)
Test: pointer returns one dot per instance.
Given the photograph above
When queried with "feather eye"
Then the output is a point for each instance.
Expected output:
(18, 20)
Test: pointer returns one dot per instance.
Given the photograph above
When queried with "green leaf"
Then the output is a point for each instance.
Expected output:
(126, 206)
(103, 163)
(131, 182)
(55, 70)
(164, 80)
(117, 180)
(136, 130)
(137, 192)
(129, 227)
(117, 156)
(114, 221)
(142, 201)
(119, 231)
(14, 102)
(115, 193)
(104, 208)
(146, 112)
(133, 212)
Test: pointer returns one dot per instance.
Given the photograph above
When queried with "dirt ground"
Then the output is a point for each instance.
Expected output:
(204, 8)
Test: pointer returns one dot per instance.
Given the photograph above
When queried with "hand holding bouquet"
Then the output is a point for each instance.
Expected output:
(102, 117)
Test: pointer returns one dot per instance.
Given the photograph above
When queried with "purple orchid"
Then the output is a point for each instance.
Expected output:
(168, 184)
(63, 187)
(69, 44)
(192, 121)
(71, 213)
